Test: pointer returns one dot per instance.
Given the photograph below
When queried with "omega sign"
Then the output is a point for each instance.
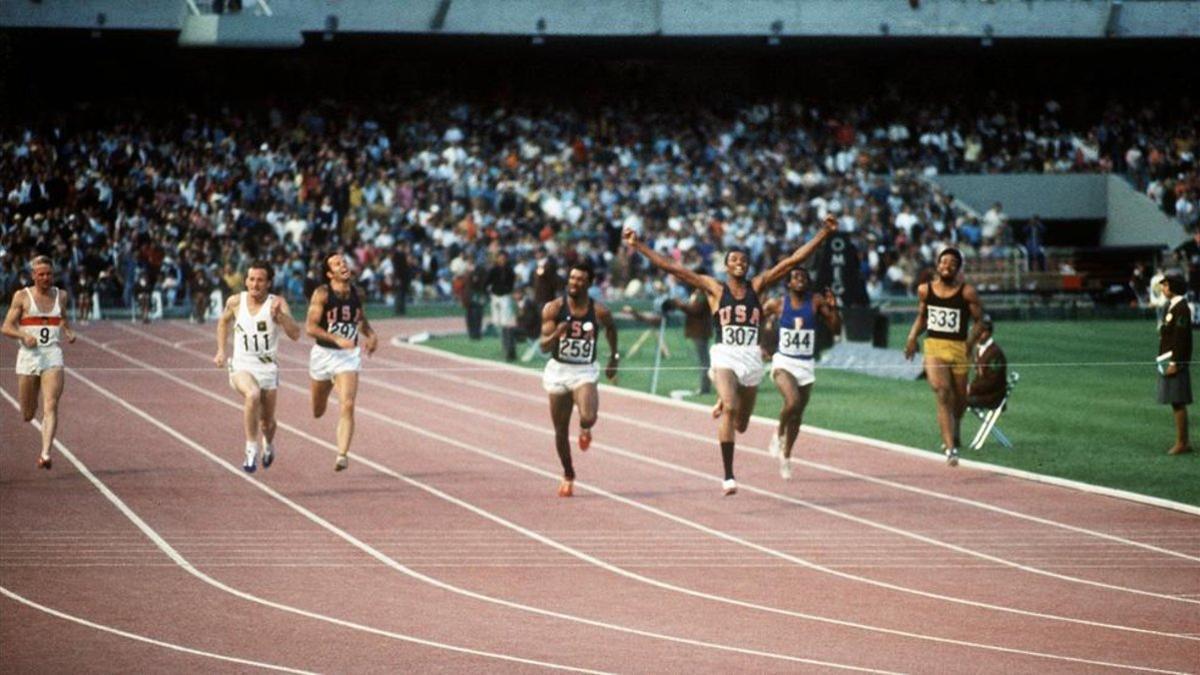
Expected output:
(840, 271)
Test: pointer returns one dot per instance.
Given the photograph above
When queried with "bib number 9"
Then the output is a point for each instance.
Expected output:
(44, 335)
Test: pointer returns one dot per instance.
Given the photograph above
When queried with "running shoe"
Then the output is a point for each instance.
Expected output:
(342, 462)
(44, 462)
(785, 467)
(952, 457)
(585, 439)
(775, 447)
(249, 465)
(729, 487)
(268, 455)
(566, 488)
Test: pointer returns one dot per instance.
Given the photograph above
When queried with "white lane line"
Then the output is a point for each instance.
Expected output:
(393, 564)
(142, 638)
(608, 566)
(186, 565)
(835, 470)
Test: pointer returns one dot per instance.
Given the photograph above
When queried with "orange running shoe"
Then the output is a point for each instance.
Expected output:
(566, 488)
(585, 439)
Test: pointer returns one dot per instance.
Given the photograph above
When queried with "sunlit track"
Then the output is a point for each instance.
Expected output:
(184, 563)
(398, 567)
(142, 638)
(681, 433)
(475, 410)
(178, 380)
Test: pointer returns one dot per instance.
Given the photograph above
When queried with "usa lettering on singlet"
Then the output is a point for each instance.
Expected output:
(254, 336)
(578, 345)
(945, 318)
(45, 327)
(737, 321)
(797, 336)
(341, 316)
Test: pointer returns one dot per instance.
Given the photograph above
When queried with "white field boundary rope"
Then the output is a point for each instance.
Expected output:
(648, 508)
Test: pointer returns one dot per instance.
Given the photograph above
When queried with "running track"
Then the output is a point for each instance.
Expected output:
(444, 545)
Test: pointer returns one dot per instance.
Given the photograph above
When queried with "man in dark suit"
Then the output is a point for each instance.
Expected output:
(1175, 353)
(990, 385)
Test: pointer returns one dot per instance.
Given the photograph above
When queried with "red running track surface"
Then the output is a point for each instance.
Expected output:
(444, 546)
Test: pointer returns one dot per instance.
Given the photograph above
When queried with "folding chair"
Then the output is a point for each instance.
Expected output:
(989, 416)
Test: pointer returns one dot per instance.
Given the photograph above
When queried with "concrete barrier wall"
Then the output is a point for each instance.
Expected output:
(1135, 220)
(1053, 197)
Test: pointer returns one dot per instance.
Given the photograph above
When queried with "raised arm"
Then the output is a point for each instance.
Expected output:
(770, 277)
(826, 305)
(227, 315)
(604, 316)
(12, 321)
(552, 330)
(710, 285)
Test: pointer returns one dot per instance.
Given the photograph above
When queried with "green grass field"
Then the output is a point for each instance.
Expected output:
(1083, 410)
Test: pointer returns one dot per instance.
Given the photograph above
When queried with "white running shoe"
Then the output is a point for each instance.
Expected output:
(250, 463)
(785, 467)
(775, 448)
(341, 463)
(729, 487)
(952, 457)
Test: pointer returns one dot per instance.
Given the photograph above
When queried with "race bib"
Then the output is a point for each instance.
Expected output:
(739, 336)
(575, 350)
(348, 330)
(796, 342)
(943, 319)
(45, 335)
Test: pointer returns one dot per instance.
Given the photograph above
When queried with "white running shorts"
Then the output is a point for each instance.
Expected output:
(745, 362)
(324, 363)
(802, 369)
(265, 374)
(39, 359)
(562, 378)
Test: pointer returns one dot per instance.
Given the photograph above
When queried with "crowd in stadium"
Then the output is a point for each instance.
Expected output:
(423, 195)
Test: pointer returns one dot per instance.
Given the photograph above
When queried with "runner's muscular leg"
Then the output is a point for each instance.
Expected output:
(28, 388)
(726, 383)
(587, 399)
(561, 405)
(747, 396)
(347, 390)
(320, 395)
(268, 399)
(938, 375)
(52, 388)
(247, 386)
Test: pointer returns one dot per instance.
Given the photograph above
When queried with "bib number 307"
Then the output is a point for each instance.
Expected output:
(740, 336)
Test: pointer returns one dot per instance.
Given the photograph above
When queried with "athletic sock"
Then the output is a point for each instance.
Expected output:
(727, 458)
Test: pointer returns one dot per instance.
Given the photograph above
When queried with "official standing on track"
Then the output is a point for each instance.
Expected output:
(336, 321)
(570, 326)
(256, 316)
(1175, 350)
(36, 320)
